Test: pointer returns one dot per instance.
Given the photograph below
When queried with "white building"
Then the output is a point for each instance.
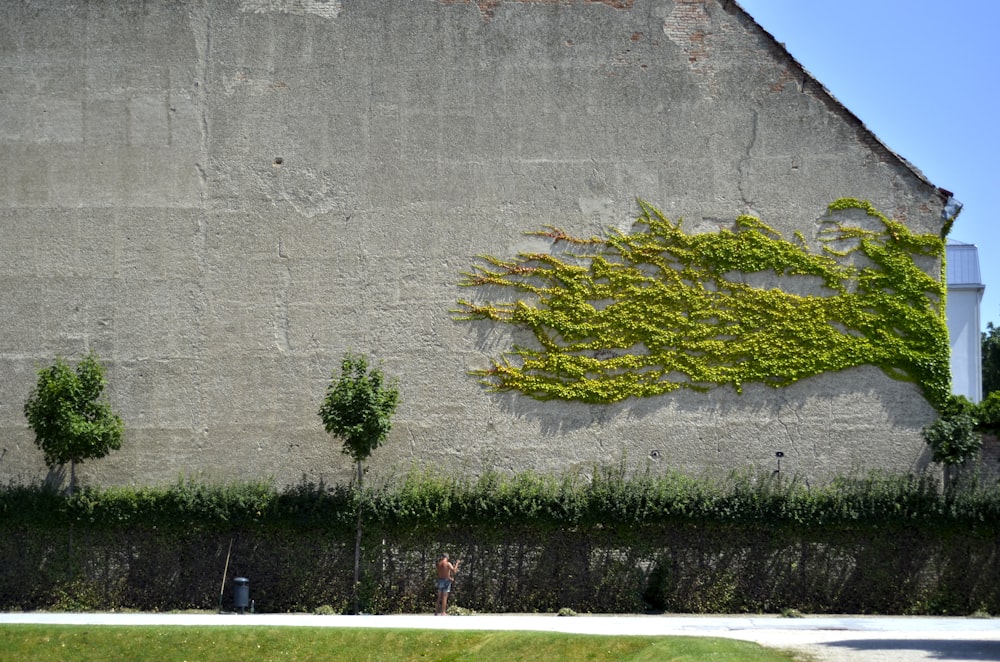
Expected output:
(965, 293)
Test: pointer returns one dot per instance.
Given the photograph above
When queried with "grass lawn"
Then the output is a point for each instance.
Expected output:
(196, 643)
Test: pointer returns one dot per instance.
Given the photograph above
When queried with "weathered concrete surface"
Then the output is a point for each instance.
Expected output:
(220, 198)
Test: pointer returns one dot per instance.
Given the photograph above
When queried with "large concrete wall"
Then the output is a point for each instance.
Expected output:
(221, 197)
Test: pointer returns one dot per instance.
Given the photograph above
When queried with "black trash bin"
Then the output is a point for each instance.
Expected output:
(241, 594)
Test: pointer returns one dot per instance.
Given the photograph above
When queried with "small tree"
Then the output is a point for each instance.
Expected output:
(991, 359)
(954, 437)
(358, 409)
(989, 412)
(71, 424)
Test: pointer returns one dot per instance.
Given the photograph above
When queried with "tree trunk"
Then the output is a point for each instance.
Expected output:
(357, 549)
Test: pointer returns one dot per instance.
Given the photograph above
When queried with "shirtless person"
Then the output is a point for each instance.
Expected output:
(445, 575)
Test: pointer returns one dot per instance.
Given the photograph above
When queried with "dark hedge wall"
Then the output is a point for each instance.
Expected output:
(889, 546)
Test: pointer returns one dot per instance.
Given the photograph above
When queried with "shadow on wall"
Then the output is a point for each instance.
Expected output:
(56, 477)
(758, 402)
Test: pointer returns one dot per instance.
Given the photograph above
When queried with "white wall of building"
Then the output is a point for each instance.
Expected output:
(965, 293)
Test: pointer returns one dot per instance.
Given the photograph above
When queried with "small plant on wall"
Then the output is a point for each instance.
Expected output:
(658, 309)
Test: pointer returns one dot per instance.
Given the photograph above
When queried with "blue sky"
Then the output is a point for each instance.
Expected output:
(924, 76)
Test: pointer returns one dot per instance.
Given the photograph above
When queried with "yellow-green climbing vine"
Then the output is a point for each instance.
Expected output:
(657, 309)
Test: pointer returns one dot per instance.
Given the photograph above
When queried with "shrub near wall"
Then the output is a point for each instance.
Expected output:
(529, 543)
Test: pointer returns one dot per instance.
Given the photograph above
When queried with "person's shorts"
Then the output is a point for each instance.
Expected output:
(444, 586)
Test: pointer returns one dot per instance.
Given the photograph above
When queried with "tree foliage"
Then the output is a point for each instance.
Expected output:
(989, 412)
(70, 422)
(991, 359)
(954, 437)
(358, 407)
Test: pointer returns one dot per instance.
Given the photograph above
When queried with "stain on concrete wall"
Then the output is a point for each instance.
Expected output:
(321, 8)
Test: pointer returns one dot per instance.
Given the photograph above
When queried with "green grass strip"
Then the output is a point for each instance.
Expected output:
(191, 643)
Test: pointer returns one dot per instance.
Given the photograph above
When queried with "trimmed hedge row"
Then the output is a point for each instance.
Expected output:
(608, 497)
(615, 544)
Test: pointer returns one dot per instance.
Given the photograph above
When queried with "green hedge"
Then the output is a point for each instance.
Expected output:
(608, 498)
(610, 543)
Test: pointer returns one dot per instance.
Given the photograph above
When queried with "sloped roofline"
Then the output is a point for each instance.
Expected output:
(947, 196)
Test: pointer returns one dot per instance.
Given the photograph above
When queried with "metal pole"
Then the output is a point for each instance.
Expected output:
(222, 589)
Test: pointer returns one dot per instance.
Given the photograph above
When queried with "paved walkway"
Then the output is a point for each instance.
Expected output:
(829, 639)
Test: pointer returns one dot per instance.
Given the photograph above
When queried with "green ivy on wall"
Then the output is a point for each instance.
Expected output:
(658, 309)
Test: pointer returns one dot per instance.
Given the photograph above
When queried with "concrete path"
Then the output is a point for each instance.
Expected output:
(828, 639)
